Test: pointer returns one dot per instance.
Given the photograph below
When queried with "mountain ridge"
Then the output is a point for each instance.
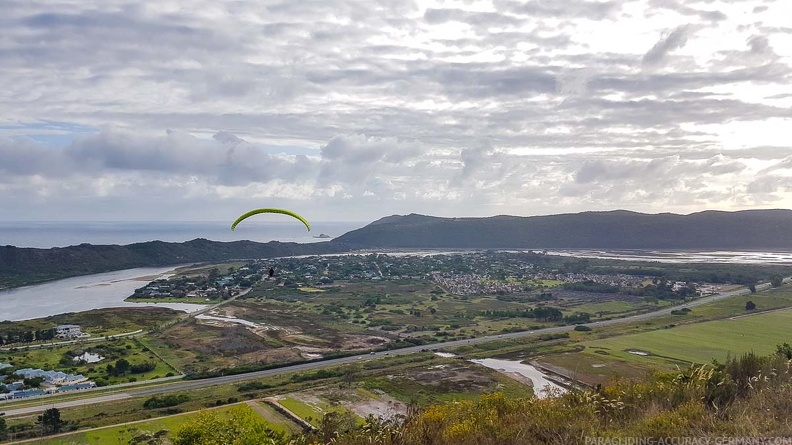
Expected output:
(21, 265)
(615, 229)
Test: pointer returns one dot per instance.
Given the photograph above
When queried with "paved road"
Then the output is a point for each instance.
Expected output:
(195, 384)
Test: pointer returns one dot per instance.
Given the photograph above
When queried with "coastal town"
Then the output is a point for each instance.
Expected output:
(459, 273)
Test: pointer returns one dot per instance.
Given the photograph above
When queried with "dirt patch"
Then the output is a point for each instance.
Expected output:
(520, 378)
(358, 401)
(237, 340)
(453, 378)
(385, 407)
(352, 342)
(307, 340)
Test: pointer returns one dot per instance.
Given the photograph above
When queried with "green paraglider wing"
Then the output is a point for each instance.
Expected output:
(281, 211)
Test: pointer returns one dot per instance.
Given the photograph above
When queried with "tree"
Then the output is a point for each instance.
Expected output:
(750, 305)
(776, 280)
(351, 374)
(50, 421)
(784, 350)
(334, 424)
(33, 382)
(121, 366)
(3, 429)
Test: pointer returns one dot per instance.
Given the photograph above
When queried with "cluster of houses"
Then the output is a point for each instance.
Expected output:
(473, 284)
(52, 382)
(204, 287)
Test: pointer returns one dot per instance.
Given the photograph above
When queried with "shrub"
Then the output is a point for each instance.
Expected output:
(166, 401)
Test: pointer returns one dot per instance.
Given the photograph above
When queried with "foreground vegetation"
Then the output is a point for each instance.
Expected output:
(749, 396)
(286, 319)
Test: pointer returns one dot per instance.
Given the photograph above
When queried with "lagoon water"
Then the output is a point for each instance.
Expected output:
(81, 294)
(682, 256)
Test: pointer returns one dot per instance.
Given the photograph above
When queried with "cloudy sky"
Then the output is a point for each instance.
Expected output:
(353, 110)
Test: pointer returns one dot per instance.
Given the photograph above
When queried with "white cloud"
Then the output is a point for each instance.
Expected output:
(381, 107)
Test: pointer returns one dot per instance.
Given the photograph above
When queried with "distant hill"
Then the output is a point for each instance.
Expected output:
(750, 229)
(20, 266)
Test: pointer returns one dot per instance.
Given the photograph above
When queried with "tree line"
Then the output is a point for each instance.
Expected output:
(13, 337)
(543, 313)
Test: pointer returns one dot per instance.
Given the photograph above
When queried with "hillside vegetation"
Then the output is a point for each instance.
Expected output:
(20, 266)
(749, 396)
(751, 229)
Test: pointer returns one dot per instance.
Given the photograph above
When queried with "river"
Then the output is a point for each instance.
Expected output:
(83, 293)
(543, 387)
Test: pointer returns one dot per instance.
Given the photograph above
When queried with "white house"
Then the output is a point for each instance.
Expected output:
(68, 331)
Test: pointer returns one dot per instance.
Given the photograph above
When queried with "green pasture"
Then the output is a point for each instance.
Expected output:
(616, 307)
(312, 412)
(123, 433)
(127, 348)
(701, 342)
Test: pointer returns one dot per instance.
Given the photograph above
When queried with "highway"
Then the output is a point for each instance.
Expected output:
(196, 384)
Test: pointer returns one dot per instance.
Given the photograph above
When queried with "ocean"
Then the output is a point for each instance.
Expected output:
(46, 234)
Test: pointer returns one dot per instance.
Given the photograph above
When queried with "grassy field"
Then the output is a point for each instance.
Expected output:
(312, 410)
(59, 358)
(121, 434)
(593, 369)
(132, 410)
(204, 269)
(619, 307)
(97, 322)
(702, 342)
(699, 336)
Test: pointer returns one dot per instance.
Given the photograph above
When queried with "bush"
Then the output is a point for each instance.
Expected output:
(166, 401)
(142, 368)
(318, 375)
